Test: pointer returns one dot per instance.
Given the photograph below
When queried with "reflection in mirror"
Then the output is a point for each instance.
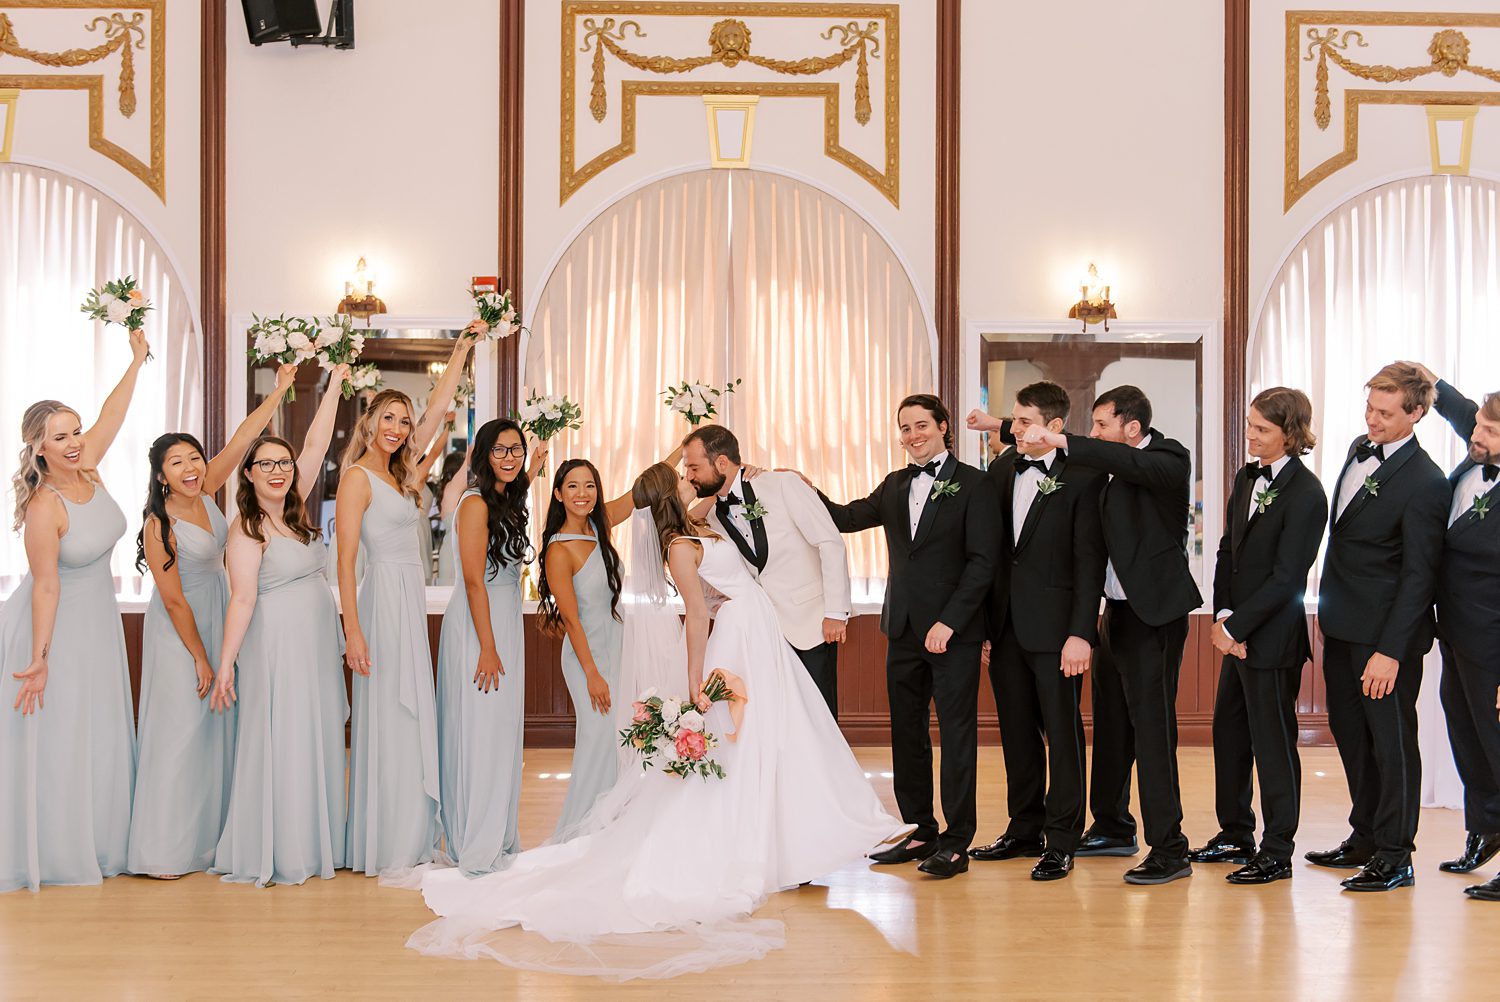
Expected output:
(1167, 367)
(410, 360)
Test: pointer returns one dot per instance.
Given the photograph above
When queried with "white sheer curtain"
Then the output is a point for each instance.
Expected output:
(1409, 270)
(59, 238)
(716, 275)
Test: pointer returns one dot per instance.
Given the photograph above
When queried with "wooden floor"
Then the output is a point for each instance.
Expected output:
(866, 934)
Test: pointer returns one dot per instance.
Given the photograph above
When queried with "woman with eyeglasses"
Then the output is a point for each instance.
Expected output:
(481, 674)
(286, 806)
(186, 755)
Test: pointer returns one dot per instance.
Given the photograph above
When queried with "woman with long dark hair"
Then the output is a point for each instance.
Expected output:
(481, 673)
(67, 743)
(186, 755)
(393, 757)
(286, 805)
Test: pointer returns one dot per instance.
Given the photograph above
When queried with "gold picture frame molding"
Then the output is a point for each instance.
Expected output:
(573, 177)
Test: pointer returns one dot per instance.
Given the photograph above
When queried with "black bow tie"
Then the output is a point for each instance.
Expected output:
(1365, 450)
(727, 501)
(931, 469)
(1257, 470)
(1022, 465)
(1490, 472)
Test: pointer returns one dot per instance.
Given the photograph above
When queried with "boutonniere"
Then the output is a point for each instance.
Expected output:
(944, 489)
(1373, 486)
(755, 511)
(1264, 498)
(1049, 485)
(1481, 507)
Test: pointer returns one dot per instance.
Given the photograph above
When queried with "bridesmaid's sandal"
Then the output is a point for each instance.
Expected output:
(165, 876)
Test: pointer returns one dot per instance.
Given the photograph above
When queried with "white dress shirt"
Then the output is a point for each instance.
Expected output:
(1113, 589)
(737, 511)
(921, 490)
(1470, 486)
(1026, 491)
(1354, 477)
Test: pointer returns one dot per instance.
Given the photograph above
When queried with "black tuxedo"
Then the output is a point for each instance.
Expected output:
(1145, 511)
(940, 574)
(1047, 585)
(1379, 578)
(1468, 626)
(1261, 576)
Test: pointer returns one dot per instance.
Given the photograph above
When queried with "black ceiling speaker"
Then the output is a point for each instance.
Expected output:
(278, 20)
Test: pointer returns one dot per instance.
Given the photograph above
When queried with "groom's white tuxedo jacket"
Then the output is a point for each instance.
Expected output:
(806, 571)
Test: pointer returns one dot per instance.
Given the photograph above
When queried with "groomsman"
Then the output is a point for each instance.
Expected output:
(1043, 624)
(1149, 592)
(1468, 625)
(1272, 530)
(790, 544)
(1390, 505)
(940, 528)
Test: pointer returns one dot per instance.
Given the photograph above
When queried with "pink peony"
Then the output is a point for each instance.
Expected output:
(642, 712)
(690, 745)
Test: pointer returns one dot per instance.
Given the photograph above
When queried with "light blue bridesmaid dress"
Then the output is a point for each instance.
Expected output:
(66, 770)
(286, 804)
(393, 759)
(480, 733)
(595, 741)
(186, 750)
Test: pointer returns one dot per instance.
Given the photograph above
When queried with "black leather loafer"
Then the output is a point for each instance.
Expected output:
(1261, 870)
(1105, 845)
(904, 852)
(945, 863)
(1478, 850)
(1158, 870)
(1485, 892)
(1008, 847)
(1054, 865)
(1344, 856)
(1379, 875)
(1223, 850)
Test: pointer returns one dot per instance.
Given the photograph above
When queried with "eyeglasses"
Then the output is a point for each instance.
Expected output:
(273, 465)
(502, 451)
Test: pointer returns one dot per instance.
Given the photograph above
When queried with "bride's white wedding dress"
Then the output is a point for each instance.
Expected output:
(667, 872)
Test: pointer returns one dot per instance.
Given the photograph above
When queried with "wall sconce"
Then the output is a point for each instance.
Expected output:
(1093, 305)
(1450, 135)
(8, 100)
(359, 294)
(731, 125)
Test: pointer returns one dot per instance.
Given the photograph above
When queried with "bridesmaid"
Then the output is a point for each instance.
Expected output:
(393, 757)
(186, 751)
(67, 743)
(481, 677)
(286, 805)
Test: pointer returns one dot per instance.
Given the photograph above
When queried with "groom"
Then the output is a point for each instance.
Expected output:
(790, 544)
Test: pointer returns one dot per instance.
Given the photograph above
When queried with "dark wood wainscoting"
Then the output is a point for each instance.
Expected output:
(862, 700)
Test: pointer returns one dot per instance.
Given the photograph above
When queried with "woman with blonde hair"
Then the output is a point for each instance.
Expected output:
(393, 749)
(67, 742)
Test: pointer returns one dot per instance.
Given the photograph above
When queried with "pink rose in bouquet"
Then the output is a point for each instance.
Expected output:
(642, 712)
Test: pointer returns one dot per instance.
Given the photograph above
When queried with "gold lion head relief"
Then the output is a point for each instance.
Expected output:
(729, 41)
(1449, 51)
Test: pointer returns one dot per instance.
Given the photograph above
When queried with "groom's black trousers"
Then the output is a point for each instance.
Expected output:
(822, 663)
(916, 679)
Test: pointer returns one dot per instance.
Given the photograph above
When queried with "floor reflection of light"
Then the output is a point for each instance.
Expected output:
(887, 775)
(885, 901)
(869, 775)
(565, 775)
(544, 775)
(1320, 775)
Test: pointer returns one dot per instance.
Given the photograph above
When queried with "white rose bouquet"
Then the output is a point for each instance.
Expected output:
(667, 732)
(495, 316)
(696, 401)
(337, 343)
(118, 302)
(363, 377)
(545, 416)
(280, 340)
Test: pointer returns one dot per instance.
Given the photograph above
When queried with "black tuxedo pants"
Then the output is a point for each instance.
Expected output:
(915, 681)
(822, 663)
(1136, 668)
(1255, 721)
(1041, 736)
(1377, 741)
(1468, 695)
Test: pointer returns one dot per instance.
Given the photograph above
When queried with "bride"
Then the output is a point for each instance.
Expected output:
(664, 873)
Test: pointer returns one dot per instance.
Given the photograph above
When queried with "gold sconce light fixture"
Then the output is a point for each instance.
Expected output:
(1093, 304)
(1450, 136)
(731, 126)
(8, 99)
(359, 299)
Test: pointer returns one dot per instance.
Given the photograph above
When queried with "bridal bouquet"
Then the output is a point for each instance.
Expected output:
(668, 732)
(494, 316)
(118, 302)
(337, 343)
(279, 340)
(363, 377)
(545, 416)
(696, 401)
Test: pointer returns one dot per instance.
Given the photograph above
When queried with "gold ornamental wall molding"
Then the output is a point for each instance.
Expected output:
(866, 35)
(1332, 40)
(120, 36)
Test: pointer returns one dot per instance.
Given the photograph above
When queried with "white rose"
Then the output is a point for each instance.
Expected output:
(491, 299)
(105, 298)
(552, 413)
(117, 311)
(304, 354)
(529, 413)
(299, 342)
(275, 343)
(692, 720)
(328, 336)
(503, 329)
(670, 711)
(324, 364)
(359, 343)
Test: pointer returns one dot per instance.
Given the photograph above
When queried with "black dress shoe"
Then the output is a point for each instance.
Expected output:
(1379, 875)
(1223, 850)
(904, 852)
(1345, 856)
(1105, 845)
(945, 863)
(1485, 892)
(1008, 847)
(1478, 850)
(1158, 870)
(1261, 870)
(1054, 865)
